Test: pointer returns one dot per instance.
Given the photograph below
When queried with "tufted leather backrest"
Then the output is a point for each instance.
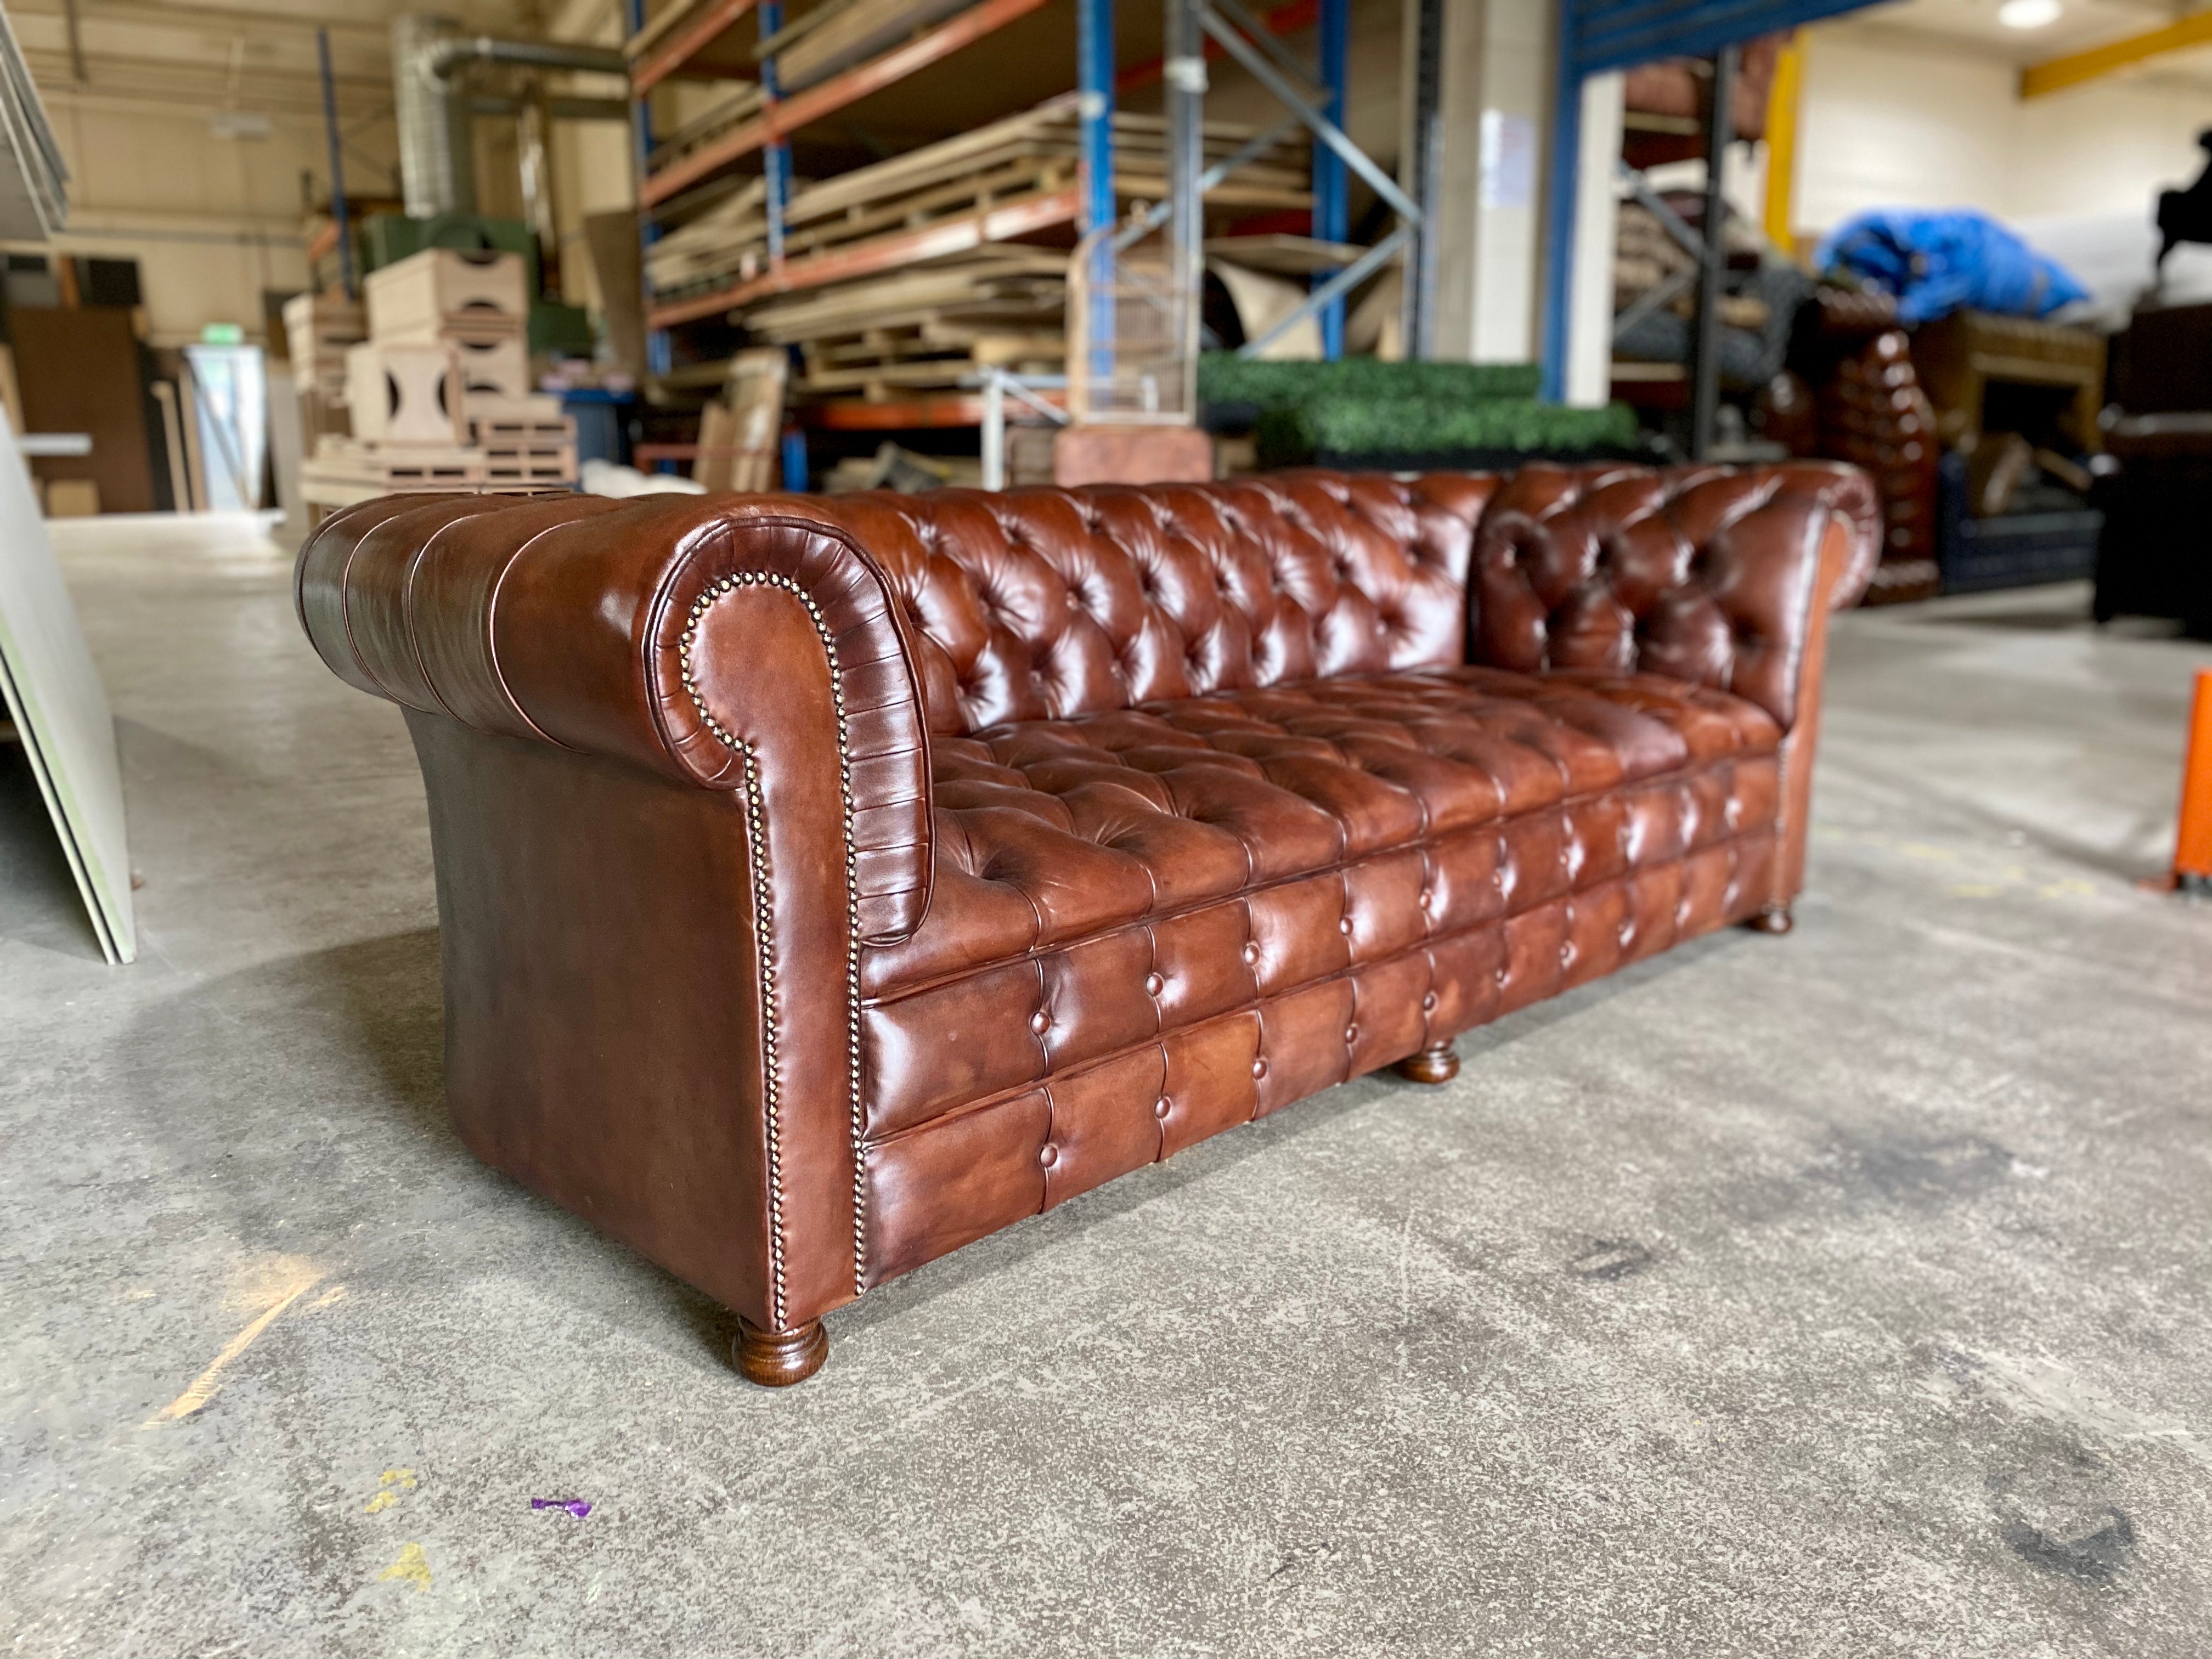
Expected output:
(1047, 604)
(1038, 603)
(1707, 574)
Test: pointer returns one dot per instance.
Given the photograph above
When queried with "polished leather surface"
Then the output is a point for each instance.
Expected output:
(826, 883)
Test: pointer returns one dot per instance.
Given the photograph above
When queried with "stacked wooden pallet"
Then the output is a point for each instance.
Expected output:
(962, 302)
(997, 306)
(1018, 161)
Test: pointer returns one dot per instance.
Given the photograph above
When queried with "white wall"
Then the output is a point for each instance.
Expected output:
(211, 222)
(1892, 120)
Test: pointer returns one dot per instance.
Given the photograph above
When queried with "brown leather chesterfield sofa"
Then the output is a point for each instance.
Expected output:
(826, 884)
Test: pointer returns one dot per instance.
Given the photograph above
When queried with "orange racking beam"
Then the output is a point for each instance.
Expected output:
(787, 117)
(902, 414)
(686, 44)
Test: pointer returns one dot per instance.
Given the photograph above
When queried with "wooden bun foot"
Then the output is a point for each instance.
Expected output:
(1436, 1065)
(776, 1360)
(1774, 919)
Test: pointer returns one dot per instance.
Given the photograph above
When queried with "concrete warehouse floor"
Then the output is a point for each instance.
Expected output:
(1845, 1294)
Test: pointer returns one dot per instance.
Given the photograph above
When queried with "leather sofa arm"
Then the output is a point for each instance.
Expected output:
(689, 636)
(1719, 576)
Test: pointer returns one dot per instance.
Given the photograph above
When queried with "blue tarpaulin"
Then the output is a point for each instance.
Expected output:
(1938, 262)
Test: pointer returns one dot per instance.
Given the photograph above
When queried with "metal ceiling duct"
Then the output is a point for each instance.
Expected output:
(436, 164)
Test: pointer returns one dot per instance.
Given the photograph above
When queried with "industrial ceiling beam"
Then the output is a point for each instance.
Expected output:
(2038, 79)
(213, 19)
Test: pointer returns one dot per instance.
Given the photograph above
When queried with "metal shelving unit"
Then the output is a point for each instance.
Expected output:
(715, 45)
(707, 48)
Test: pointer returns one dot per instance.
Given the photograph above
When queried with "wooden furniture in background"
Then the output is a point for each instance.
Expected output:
(1959, 356)
(79, 372)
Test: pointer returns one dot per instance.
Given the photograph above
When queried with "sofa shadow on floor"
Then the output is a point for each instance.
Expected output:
(1003, 1251)
(382, 1006)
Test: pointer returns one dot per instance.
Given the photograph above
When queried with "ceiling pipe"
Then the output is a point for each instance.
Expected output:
(436, 162)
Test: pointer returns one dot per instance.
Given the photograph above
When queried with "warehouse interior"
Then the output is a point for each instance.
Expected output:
(1828, 1276)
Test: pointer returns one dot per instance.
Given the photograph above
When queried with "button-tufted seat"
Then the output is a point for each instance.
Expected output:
(827, 884)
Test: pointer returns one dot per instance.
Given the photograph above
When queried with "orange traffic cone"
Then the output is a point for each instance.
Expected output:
(2192, 846)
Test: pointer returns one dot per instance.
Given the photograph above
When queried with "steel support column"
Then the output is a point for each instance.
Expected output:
(339, 216)
(1094, 76)
(658, 354)
(1424, 176)
(1705, 353)
(775, 156)
(1184, 90)
(1332, 210)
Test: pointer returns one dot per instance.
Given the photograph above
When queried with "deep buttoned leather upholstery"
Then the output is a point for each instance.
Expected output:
(826, 884)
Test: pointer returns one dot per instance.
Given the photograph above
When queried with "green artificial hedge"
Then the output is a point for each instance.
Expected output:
(1401, 427)
(1225, 377)
(1361, 406)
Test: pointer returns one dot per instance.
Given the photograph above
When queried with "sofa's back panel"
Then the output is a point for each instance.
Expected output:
(1033, 603)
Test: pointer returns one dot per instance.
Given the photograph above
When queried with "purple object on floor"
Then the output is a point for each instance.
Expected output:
(576, 1506)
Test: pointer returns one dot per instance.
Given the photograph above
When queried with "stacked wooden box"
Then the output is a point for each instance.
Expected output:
(439, 393)
(319, 329)
(935, 295)
(478, 303)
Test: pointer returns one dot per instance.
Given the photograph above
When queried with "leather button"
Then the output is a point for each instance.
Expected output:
(1039, 1022)
(1351, 1035)
(1154, 985)
(1427, 898)
(1344, 925)
(1498, 878)
(1566, 955)
(1501, 976)
(1429, 1003)
(1050, 1156)
(1251, 956)
(1160, 1107)
(1259, 1068)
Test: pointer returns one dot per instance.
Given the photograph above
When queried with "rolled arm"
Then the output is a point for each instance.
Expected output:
(681, 634)
(1719, 576)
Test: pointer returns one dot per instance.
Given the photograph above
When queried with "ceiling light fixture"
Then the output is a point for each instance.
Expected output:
(2029, 14)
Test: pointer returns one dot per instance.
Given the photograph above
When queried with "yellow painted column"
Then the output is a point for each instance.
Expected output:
(1782, 141)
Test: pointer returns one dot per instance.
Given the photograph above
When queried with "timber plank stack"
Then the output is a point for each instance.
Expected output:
(934, 295)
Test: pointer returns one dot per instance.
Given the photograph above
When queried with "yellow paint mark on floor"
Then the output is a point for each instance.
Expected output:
(204, 1387)
(393, 1481)
(1977, 889)
(412, 1567)
(336, 1293)
(1920, 849)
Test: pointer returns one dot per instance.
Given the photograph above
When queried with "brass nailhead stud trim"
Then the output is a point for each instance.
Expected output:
(764, 920)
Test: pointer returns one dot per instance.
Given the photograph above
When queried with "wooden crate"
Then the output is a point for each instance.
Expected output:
(422, 295)
(405, 394)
